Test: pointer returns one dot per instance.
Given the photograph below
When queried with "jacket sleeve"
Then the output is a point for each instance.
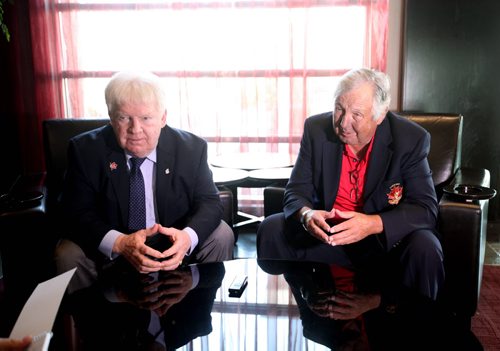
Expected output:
(418, 206)
(300, 187)
(206, 208)
(83, 202)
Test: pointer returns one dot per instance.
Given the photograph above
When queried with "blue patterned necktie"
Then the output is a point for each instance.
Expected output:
(137, 197)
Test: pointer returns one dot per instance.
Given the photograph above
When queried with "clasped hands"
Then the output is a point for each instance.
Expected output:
(158, 294)
(341, 305)
(146, 259)
(350, 226)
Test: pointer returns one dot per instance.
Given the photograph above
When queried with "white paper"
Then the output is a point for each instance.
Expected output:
(39, 312)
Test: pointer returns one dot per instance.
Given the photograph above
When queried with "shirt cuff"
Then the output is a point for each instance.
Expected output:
(194, 239)
(107, 243)
(195, 275)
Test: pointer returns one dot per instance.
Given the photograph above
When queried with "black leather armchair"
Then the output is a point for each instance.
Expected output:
(23, 209)
(463, 211)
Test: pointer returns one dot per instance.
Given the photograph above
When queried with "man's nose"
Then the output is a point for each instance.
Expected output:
(134, 125)
(345, 120)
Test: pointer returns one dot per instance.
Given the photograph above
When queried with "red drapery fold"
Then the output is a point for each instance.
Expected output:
(377, 34)
(39, 52)
(47, 60)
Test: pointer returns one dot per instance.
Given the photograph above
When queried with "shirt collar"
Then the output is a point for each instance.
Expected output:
(151, 156)
(348, 152)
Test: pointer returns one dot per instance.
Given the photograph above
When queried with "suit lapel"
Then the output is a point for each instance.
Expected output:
(379, 160)
(118, 173)
(165, 172)
(332, 163)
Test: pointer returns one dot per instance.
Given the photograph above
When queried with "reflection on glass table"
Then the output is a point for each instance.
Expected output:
(285, 306)
(127, 310)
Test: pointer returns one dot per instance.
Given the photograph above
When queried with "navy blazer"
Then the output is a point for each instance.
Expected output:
(399, 155)
(96, 192)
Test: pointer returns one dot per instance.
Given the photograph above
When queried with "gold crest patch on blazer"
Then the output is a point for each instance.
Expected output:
(395, 194)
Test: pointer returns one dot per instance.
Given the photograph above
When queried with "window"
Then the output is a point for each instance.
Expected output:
(242, 74)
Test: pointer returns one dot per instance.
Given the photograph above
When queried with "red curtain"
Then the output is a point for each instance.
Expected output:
(37, 76)
(377, 34)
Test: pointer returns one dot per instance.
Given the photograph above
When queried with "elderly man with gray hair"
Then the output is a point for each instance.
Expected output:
(361, 190)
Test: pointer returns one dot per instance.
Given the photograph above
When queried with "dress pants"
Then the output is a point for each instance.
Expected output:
(419, 255)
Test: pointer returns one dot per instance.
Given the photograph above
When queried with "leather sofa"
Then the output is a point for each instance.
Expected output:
(463, 211)
(32, 205)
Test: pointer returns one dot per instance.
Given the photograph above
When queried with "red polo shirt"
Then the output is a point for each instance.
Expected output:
(352, 169)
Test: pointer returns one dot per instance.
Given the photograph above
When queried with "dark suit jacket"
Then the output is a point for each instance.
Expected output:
(399, 155)
(96, 193)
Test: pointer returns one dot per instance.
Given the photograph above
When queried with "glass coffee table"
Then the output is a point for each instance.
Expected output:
(283, 306)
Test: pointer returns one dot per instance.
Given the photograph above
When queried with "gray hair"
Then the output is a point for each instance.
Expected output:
(136, 88)
(380, 81)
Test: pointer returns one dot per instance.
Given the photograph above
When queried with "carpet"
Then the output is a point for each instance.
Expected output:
(486, 322)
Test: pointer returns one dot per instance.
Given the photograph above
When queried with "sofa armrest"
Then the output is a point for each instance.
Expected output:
(273, 200)
(474, 176)
(27, 196)
(24, 238)
(462, 224)
(470, 184)
(226, 197)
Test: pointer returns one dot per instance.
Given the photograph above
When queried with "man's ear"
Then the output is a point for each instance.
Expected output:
(382, 115)
(164, 119)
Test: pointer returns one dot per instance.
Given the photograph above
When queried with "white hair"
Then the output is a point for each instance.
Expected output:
(381, 84)
(134, 87)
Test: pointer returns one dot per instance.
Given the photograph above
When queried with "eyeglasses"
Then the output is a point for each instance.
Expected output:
(353, 179)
